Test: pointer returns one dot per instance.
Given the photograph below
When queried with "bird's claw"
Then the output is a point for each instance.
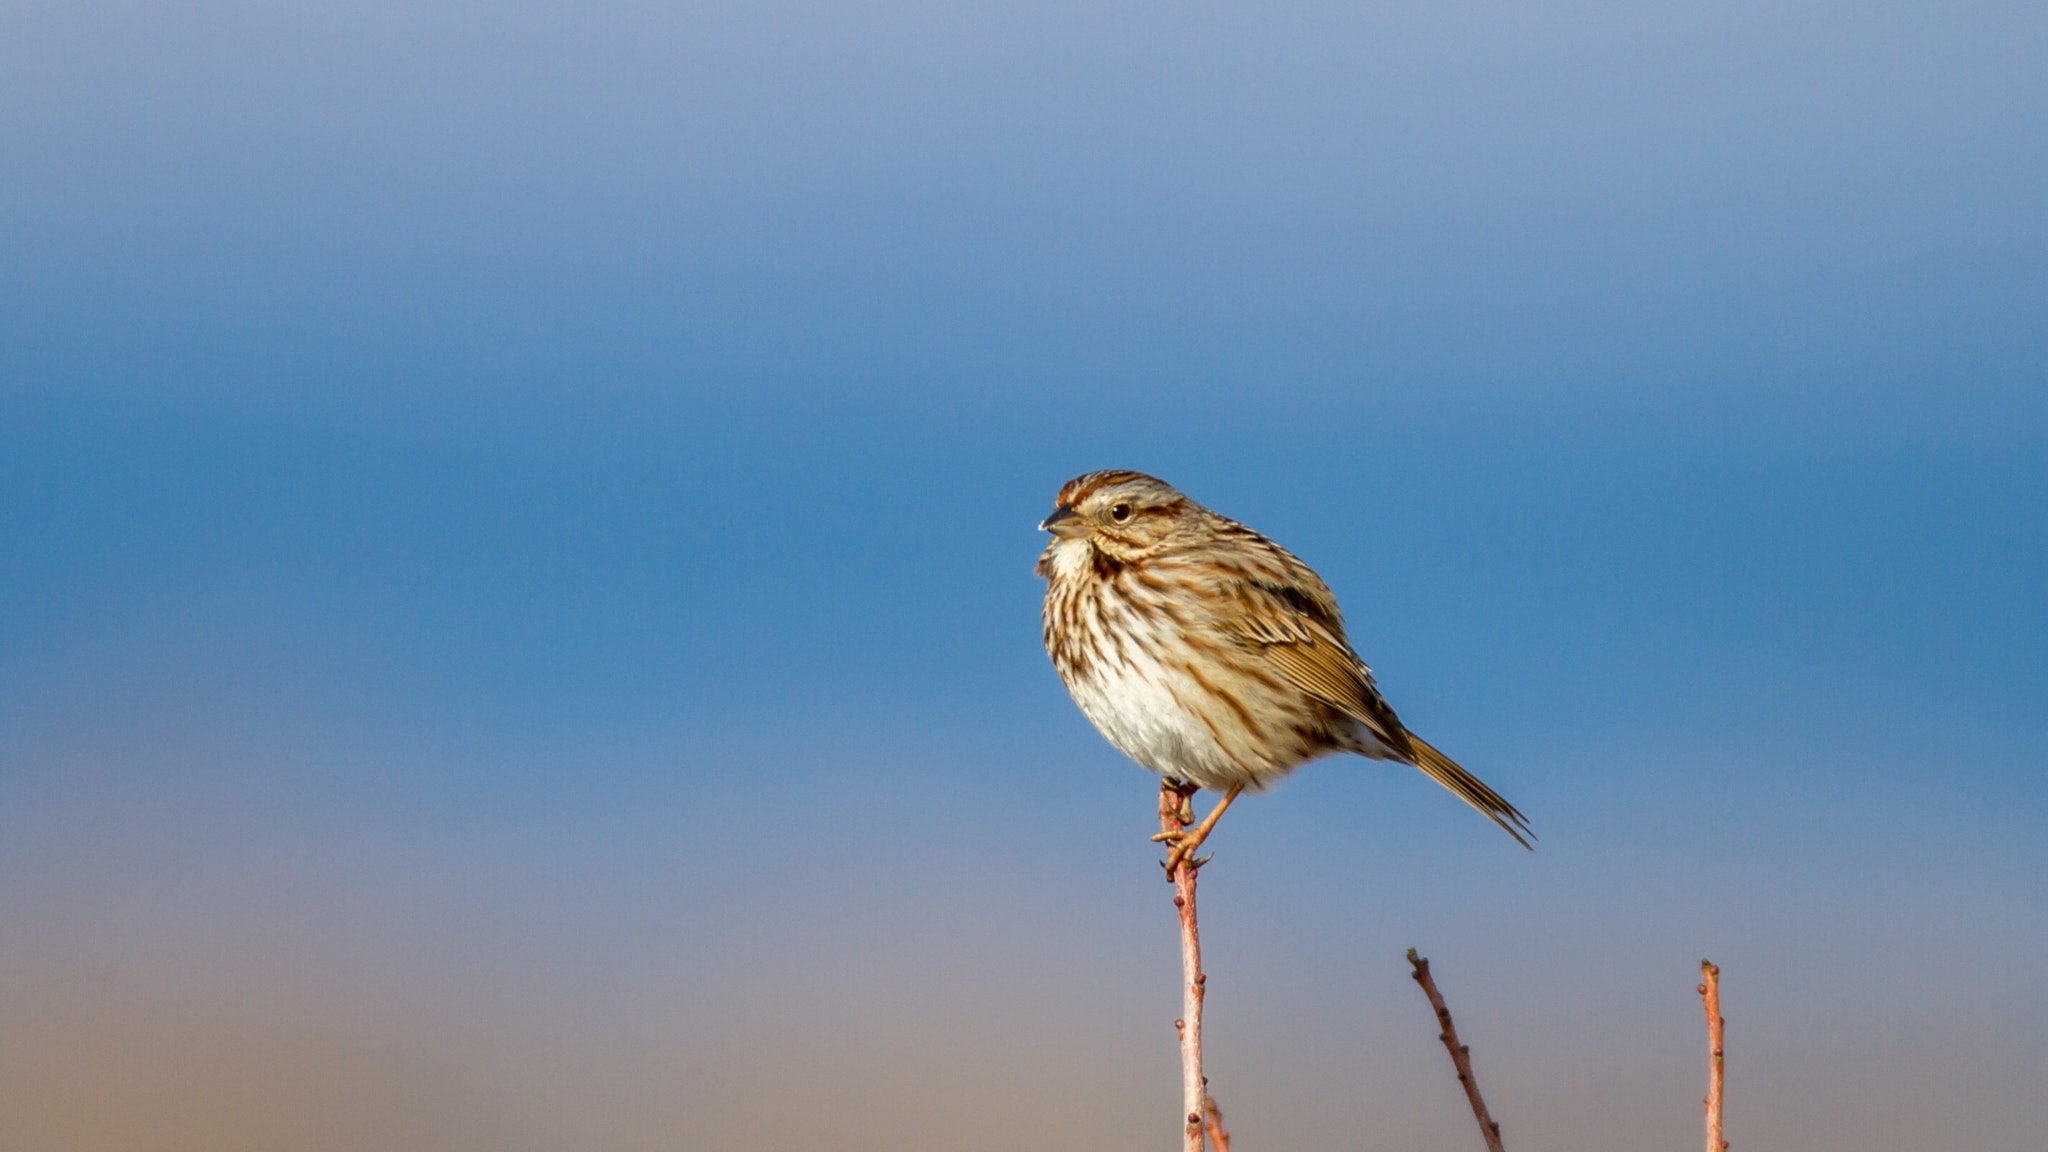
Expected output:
(1184, 845)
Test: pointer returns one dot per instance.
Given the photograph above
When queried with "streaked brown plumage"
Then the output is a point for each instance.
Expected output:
(1210, 654)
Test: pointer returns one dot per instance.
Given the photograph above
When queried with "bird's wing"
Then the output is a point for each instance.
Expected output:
(1308, 648)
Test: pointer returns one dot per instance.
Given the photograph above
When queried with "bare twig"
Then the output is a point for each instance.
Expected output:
(1212, 1122)
(1175, 813)
(1710, 998)
(1461, 1055)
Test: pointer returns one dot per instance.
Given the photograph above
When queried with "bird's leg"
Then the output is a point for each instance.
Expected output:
(1186, 792)
(1182, 806)
(1188, 839)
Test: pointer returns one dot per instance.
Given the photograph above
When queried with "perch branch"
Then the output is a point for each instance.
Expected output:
(1461, 1055)
(1710, 998)
(1176, 813)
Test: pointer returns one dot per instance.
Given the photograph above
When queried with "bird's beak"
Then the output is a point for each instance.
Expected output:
(1064, 514)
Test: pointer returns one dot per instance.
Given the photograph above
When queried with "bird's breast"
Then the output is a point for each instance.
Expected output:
(1174, 701)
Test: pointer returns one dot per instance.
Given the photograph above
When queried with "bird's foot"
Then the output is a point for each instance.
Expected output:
(1184, 844)
(1186, 839)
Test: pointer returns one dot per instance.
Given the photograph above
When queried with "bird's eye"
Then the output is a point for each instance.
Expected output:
(1120, 512)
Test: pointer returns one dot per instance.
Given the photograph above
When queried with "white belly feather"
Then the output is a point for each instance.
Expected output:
(1138, 712)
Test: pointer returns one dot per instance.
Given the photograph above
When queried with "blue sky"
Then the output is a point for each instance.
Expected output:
(517, 627)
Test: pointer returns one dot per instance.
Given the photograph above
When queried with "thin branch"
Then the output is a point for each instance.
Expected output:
(1212, 1123)
(1461, 1055)
(1175, 814)
(1710, 998)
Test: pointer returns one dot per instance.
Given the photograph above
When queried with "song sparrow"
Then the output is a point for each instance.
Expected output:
(1210, 654)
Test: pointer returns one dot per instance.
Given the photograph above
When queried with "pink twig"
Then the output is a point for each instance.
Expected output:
(1174, 815)
(1710, 997)
(1461, 1055)
(1212, 1122)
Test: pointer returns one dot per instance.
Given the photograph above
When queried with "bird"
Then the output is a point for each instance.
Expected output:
(1210, 654)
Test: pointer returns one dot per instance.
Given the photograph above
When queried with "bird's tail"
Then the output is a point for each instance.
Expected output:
(1471, 790)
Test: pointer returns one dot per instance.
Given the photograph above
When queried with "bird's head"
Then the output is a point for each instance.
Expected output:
(1120, 516)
